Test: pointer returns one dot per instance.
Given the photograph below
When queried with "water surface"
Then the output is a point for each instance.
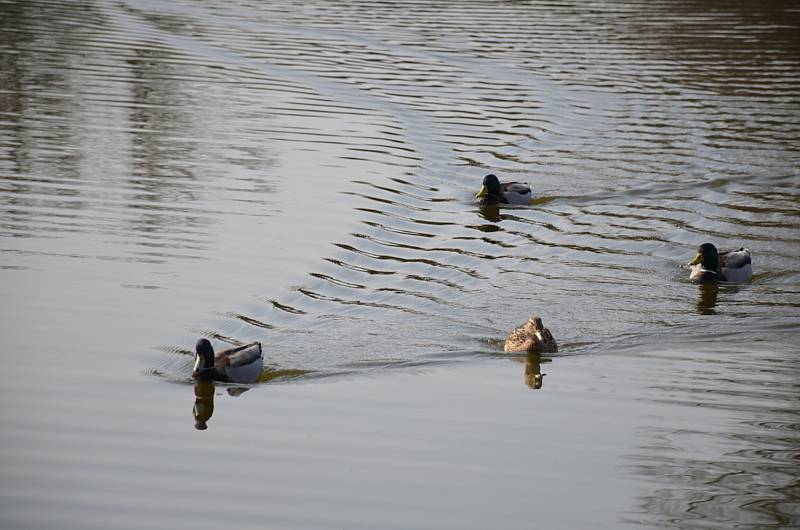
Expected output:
(304, 177)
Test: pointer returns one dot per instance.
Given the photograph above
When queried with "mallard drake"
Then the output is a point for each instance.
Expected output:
(709, 265)
(241, 364)
(531, 337)
(492, 192)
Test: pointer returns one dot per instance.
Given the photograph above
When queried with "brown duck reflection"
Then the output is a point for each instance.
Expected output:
(203, 404)
(534, 378)
(533, 371)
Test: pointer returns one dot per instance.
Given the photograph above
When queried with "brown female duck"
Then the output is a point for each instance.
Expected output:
(531, 337)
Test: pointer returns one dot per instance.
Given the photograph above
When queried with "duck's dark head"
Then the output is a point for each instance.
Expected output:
(203, 357)
(489, 188)
(708, 256)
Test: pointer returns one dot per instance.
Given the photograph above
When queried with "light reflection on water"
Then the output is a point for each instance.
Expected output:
(305, 177)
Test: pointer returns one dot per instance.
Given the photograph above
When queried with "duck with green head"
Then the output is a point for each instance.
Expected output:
(492, 192)
(709, 265)
(241, 364)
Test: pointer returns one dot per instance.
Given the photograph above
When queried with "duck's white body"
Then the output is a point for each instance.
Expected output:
(245, 365)
(517, 193)
(737, 266)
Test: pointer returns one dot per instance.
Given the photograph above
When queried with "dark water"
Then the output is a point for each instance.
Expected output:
(302, 175)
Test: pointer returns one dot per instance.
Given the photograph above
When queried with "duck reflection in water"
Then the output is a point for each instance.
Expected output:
(203, 404)
(490, 212)
(707, 300)
(203, 409)
(533, 371)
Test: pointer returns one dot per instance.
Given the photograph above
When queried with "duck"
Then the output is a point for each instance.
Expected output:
(709, 265)
(531, 337)
(241, 364)
(492, 192)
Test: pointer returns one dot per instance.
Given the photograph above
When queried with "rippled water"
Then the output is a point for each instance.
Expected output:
(303, 175)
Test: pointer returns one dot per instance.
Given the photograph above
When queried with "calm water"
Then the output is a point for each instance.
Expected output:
(302, 174)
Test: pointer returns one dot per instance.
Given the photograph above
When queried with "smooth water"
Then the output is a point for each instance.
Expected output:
(302, 174)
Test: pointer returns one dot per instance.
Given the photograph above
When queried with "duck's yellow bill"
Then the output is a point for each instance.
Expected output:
(697, 259)
(482, 193)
